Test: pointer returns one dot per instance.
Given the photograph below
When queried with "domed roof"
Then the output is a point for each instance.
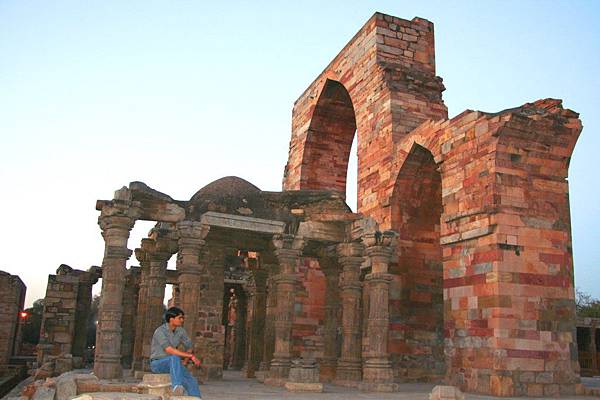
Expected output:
(229, 186)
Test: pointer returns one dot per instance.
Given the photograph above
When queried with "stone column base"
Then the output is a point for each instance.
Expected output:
(260, 376)
(108, 370)
(280, 369)
(327, 371)
(378, 387)
(378, 371)
(348, 373)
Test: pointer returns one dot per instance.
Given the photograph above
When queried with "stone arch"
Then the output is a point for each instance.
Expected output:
(329, 140)
(416, 312)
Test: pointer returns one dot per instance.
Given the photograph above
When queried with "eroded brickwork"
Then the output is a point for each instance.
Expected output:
(12, 299)
(309, 311)
(67, 305)
(481, 286)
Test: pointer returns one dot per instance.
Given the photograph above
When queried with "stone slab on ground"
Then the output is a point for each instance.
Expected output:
(236, 387)
(44, 393)
(446, 393)
(304, 387)
(115, 396)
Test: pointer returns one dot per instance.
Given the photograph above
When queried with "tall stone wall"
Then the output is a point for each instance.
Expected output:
(64, 321)
(309, 311)
(482, 278)
(381, 85)
(12, 300)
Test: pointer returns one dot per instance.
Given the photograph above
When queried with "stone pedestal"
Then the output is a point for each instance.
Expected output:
(156, 384)
(348, 372)
(304, 376)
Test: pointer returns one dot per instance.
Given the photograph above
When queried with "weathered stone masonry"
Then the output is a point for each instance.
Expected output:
(480, 203)
(457, 267)
(12, 299)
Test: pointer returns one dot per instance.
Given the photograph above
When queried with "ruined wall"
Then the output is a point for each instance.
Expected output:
(386, 75)
(480, 203)
(416, 301)
(505, 235)
(64, 320)
(309, 311)
(12, 300)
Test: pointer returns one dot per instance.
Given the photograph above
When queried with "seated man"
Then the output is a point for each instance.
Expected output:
(165, 357)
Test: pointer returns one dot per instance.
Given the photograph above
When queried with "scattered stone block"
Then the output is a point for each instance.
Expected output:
(44, 393)
(304, 387)
(116, 396)
(157, 385)
(446, 393)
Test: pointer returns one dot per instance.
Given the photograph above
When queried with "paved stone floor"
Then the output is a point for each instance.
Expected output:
(234, 386)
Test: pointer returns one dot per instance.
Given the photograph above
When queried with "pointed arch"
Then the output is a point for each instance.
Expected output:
(329, 140)
(416, 213)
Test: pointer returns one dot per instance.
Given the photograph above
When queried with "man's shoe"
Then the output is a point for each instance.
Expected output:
(178, 391)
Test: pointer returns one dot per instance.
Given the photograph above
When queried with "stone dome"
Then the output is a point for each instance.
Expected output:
(229, 186)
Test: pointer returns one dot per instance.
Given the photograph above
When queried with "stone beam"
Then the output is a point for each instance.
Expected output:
(216, 219)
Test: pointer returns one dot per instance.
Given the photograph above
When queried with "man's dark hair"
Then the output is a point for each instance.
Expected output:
(172, 313)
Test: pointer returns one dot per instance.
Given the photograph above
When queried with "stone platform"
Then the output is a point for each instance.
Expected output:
(236, 387)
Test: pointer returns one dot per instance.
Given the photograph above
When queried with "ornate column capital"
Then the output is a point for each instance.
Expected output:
(379, 247)
(192, 233)
(288, 244)
(288, 249)
(119, 213)
(155, 250)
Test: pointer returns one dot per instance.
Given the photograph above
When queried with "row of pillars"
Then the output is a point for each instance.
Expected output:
(370, 364)
(271, 310)
(153, 256)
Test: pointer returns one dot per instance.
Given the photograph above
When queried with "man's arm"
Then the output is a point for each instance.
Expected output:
(175, 352)
(183, 354)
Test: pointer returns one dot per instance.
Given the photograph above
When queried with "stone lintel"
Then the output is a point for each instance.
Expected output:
(231, 221)
(322, 231)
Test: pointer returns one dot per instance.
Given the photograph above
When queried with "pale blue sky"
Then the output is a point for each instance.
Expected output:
(94, 95)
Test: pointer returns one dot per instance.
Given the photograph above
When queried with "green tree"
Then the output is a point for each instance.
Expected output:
(33, 323)
(586, 305)
(93, 322)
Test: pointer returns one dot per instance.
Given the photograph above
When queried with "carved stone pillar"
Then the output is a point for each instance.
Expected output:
(130, 317)
(116, 220)
(210, 342)
(82, 313)
(153, 256)
(288, 249)
(377, 369)
(328, 363)
(191, 242)
(269, 337)
(142, 309)
(256, 322)
(348, 370)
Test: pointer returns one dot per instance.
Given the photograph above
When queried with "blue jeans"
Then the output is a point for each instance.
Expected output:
(179, 374)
